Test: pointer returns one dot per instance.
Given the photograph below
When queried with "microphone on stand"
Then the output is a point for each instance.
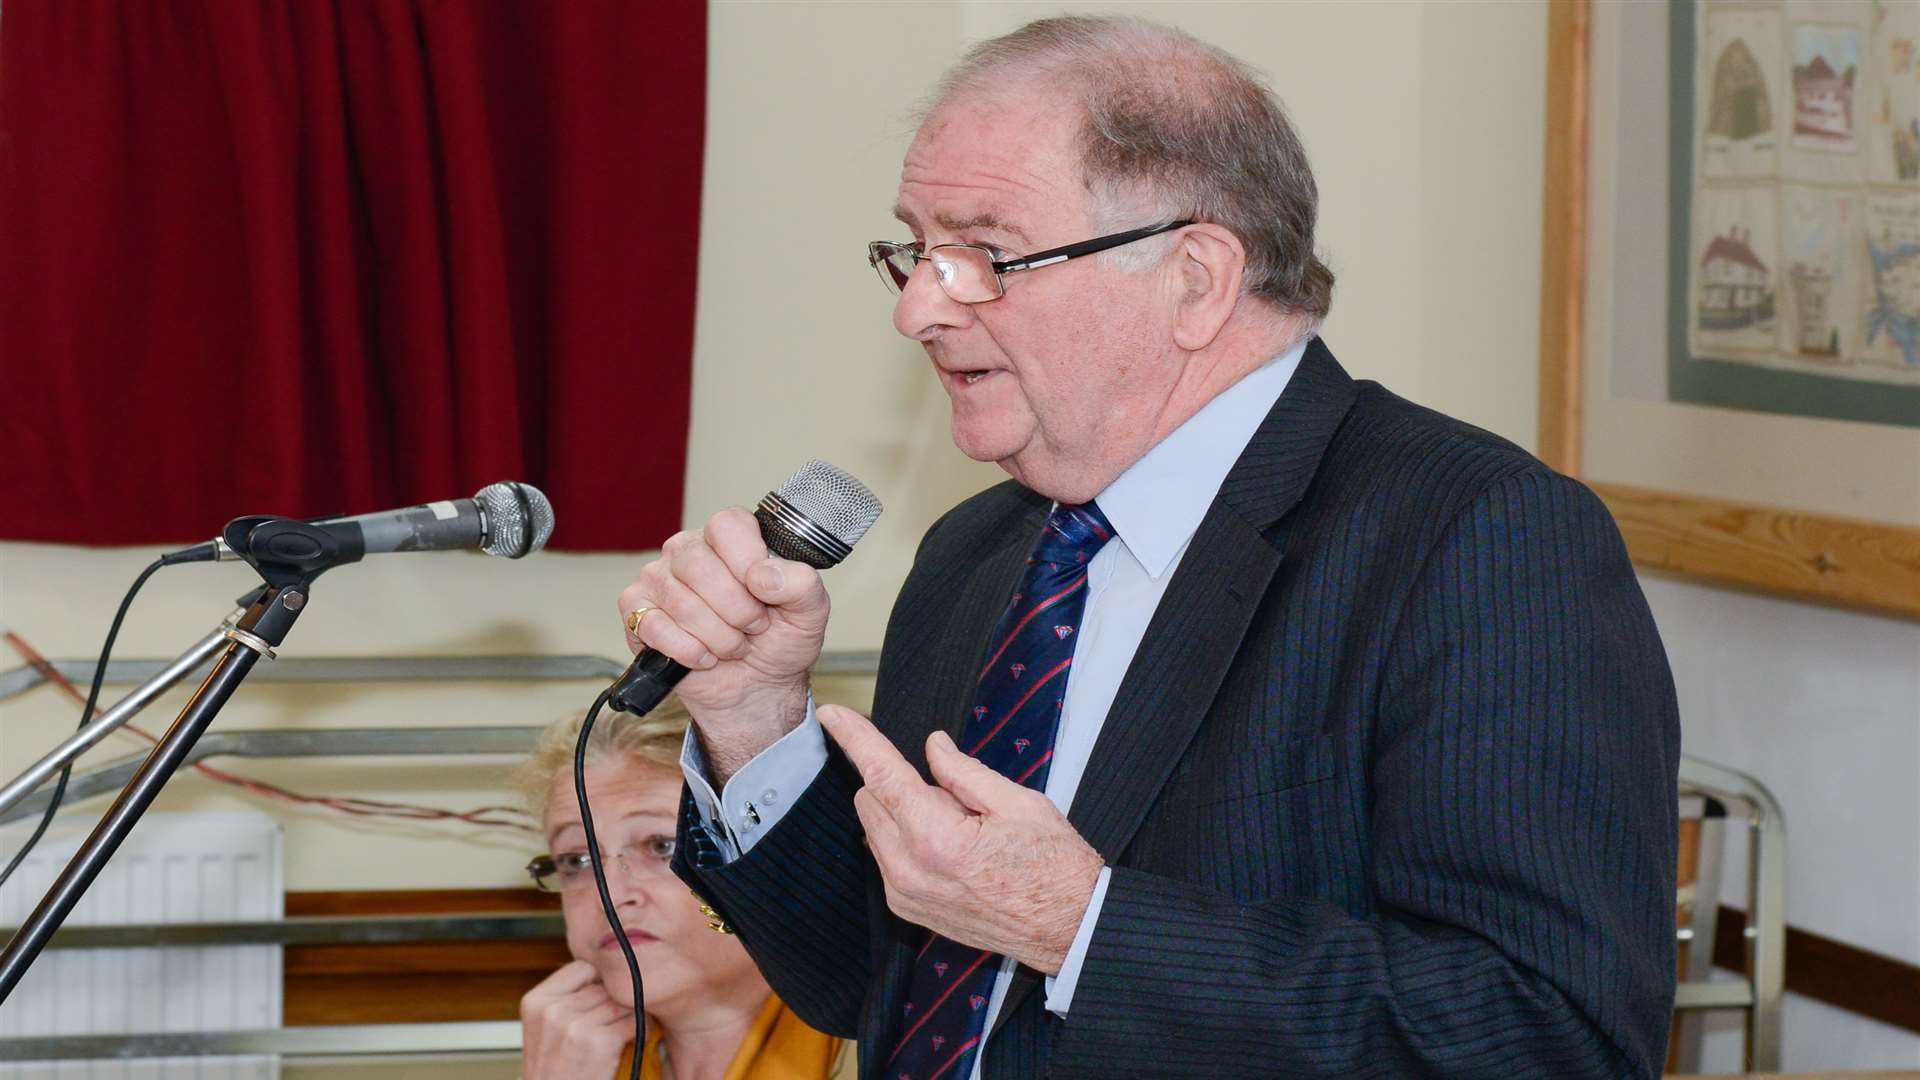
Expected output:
(815, 517)
(509, 519)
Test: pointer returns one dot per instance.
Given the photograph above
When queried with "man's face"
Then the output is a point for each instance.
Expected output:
(1062, 380)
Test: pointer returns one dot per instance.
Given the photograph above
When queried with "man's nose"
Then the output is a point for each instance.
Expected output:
(924, 310)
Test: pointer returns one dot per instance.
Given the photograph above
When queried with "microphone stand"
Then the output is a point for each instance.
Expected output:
(288, 554)
(122, 711)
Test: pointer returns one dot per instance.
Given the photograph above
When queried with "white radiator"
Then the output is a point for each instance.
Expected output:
(173, 868)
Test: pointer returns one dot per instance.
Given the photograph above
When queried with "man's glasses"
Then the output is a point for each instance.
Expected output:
(972, 274)
(571, 870)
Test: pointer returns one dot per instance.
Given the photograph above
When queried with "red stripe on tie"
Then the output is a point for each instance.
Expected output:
(935, 1007)
(1041, 760)
(948, 1064)
(1034, 689)
(1044, 605)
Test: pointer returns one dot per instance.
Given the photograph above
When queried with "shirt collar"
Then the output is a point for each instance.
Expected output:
(1156, 505)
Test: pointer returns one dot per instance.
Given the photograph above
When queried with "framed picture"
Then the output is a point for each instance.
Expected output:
(1730, 308)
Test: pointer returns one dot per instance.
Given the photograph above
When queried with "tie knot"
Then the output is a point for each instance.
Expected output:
(1074, 534)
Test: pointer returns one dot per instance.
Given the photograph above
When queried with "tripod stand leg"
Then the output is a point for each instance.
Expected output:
(264, 626)
(110, 721)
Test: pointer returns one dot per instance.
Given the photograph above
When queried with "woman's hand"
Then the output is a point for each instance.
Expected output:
(570, 1028)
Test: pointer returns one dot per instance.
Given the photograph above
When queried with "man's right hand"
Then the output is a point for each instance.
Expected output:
(747, 625)
(570, 1027)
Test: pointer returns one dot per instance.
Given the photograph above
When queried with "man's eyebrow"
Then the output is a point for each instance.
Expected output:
(986, 219)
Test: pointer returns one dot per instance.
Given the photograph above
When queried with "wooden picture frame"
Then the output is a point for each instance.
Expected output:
(1855, 563)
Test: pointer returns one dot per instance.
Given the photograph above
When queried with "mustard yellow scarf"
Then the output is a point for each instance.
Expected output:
(779, 1046)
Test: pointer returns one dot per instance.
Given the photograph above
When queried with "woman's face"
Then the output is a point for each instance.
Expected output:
(635, 803)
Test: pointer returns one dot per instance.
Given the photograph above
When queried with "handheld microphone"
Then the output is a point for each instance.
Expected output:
(509, 518)
(815, 517)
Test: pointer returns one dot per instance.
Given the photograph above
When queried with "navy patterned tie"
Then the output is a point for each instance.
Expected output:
(1015, 714)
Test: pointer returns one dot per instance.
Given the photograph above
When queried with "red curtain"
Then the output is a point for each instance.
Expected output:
(329, 257)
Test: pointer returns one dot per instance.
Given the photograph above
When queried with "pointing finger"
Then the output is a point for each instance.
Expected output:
(979, 788)
(883, 833)
(896, 785)
(880, 764)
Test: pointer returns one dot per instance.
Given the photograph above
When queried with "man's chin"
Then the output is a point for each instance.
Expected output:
(1010, 453)
(991, 446)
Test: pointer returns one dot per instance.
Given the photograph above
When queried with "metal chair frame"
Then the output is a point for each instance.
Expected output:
(1716, 795)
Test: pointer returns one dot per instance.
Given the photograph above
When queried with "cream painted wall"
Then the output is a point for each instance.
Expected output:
(1823, 706)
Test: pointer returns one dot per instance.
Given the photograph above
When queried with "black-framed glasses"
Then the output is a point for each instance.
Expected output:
(974, 274)
(573, 869)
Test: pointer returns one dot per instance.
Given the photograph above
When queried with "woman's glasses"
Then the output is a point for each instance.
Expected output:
(573, 869)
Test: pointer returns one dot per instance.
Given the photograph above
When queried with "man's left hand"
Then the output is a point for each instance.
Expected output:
(978, 859)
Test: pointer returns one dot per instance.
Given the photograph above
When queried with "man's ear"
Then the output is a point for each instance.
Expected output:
(1210, 262)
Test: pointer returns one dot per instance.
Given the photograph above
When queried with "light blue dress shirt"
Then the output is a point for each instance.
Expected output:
(1155, 507)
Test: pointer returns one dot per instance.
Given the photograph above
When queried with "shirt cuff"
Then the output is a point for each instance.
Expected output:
(755, 798)
(1060, 987)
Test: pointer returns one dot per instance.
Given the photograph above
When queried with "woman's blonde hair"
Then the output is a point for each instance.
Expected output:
(654, 738)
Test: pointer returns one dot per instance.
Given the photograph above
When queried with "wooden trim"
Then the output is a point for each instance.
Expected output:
(415, 981)
(1875, 986)
(1847, 562)
(1563, 236)
(1841, 561)
(418, 902)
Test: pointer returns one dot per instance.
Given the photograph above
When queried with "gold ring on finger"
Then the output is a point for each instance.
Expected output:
(633, 619)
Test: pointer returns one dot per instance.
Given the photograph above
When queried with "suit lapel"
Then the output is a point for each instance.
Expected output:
(1196, 631)
(952, 676)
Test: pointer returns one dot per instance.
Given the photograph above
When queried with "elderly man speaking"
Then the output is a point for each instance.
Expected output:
(1264, 724)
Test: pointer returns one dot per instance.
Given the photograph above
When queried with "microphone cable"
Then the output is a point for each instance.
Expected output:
(600, 881)
(815, 517)
(86, 714)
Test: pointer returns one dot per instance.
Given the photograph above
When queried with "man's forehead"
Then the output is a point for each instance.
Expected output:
(990, 163)
(963, 221)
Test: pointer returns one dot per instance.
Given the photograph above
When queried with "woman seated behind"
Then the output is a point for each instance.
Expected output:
(710, 1014)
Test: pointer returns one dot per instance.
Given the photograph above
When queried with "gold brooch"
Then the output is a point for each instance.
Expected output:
(714, 922)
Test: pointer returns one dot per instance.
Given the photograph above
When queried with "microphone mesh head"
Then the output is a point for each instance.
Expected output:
(832, 499)
(519, 518)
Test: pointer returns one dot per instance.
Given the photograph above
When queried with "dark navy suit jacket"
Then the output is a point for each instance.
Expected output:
(1388, 790)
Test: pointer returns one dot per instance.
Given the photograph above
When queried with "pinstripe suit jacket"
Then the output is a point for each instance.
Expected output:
(1388, 790)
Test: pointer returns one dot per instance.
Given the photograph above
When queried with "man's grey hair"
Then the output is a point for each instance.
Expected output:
(1172, 128)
